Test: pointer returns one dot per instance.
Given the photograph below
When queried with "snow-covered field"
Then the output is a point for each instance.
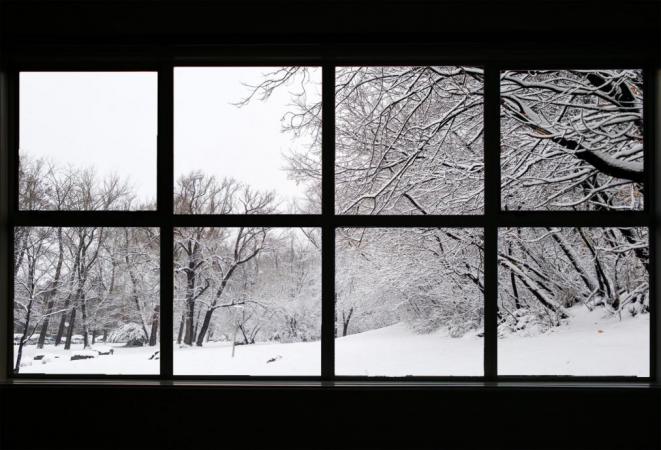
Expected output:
(216, 359)
(593, 345)
(124, 360)
(396, 351)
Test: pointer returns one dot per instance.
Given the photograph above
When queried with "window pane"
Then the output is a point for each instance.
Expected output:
(247, 301)
(248, 128)
(573, 301)
(87, 140)
(572, 140)
(409, 301)
(86, 300)
(409, 140)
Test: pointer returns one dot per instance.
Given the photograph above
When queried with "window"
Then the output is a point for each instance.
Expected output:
(408, 302)
(261, 314)
(574, 300)
(572, 140)
(86, 300)
(409, 140)
(332, 222)
(248, 127)
(87, 141)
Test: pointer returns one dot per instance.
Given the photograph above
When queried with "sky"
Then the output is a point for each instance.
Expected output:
(214, 135)
(108, 120)
(103, 120)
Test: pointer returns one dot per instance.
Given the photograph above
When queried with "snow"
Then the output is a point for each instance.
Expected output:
(215, 358)
(103, 349)
(594, 344)
(124, 361)
(397, 351)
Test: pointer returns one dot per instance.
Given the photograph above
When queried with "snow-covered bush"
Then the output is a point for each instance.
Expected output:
(524, 322)
(83, 354)
(130, 334)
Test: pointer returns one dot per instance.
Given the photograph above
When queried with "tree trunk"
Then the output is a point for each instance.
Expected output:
(19, 353)
(18, 261)
(45, 324)
(190, 313)
(154, 325)
(63, 321)
(573, 258)
(72, 321)
(515, 291)
(83, 309)
(181, 328)
(54, 290)
(134, 285)
(346, 318)
(205, 327)
(197, 323)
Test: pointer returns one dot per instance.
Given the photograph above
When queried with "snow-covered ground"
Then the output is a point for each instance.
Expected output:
(592, 345)
(215, 358)
(397, 351)
(123, 361)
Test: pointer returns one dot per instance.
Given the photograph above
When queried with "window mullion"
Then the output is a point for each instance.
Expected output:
(651, 122)
(492, 211)
(328, 231)
(165, 200)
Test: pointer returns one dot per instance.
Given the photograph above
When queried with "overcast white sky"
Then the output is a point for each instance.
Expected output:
(108, 120)
(97, 119)
(214, 135)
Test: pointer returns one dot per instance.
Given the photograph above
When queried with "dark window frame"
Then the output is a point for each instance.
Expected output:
(327, 58)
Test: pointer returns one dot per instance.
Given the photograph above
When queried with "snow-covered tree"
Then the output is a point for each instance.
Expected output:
(572, 139)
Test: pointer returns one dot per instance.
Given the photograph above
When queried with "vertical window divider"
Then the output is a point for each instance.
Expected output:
(651, 101)
(165, 211)
(12, 205)
(491, 214)
(328, 228)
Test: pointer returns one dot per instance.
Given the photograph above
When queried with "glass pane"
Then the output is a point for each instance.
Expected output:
(86, 300)
(573, 301)
(247, 128)
(572, 140)
(409, 301)
(247, 301)
(409, 140)
(87, 140)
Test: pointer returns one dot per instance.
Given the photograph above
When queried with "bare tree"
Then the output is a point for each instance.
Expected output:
(572, 139)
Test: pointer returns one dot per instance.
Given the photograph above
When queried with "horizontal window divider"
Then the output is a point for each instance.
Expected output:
(577, 379)
(252, 381)
(413, 378)
(251, 220)
(88, 218)
(248, 378)
(82, 376)
(570, 219)
(63, 65)
(502, 219)
(453, 221)
(128, 382)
